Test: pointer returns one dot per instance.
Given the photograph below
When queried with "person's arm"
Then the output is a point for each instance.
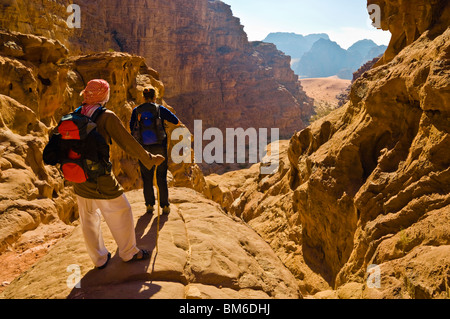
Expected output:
(168, 116)
(128, 143)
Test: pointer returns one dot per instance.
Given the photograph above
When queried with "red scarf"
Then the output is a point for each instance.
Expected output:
(89, 110)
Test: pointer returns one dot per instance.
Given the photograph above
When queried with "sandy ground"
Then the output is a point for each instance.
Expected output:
(325, 89)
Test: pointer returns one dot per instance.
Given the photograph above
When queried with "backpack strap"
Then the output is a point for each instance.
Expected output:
(97, 113)
(94, 116)
(141, 108)
(158, 110)
(78, 110)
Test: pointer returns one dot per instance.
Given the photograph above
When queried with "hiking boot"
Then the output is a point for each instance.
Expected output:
(166, 210)
(150, 209)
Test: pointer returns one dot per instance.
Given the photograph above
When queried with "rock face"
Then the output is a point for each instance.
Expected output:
(368, 185)
(46, 18)
(31, 193)
(211, 71)
(39, 83)
(265, 203)
(41, 80)
(408, 20)
(404, 181)
(359, 207)
(202, 254)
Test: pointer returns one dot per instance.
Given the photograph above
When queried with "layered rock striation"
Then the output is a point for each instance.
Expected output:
(42, 79)
(362, 196)
(31, 194)
(211, 72)
(359, 207)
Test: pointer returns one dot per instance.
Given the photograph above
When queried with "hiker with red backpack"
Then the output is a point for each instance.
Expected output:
(147, 127)
(80, 145)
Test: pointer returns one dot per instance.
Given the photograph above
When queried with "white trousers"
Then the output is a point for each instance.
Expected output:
(119, 218)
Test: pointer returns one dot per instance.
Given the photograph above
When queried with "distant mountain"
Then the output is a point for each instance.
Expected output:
(326, 58)
(366, 50)
(294, 44)
(316, 55)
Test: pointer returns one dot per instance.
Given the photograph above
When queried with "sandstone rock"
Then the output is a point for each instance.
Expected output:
(363, 185)
(408, 20)
(360, 159)
(41, 85)
(214, 69)
(27, 188)
(366, 185)
(128, 75)
(264, 202)
(211, 71)
(28, 77)
(203, 253)
(45, 18)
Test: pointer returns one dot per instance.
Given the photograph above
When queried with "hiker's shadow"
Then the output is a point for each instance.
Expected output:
(134, 280)
(148, 240)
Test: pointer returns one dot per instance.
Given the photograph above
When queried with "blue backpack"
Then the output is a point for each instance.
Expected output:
(149, 129)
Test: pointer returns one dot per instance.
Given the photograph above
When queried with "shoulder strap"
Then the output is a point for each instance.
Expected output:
(94, 116)
(158, 110)
(97, 113)
(146, 107)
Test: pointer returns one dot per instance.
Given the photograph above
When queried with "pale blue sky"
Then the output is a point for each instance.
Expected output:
(345, 21)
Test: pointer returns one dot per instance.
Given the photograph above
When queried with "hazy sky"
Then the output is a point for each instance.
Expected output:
(345, 21)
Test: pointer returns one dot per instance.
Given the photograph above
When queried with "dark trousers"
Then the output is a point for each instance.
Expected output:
(161, 176)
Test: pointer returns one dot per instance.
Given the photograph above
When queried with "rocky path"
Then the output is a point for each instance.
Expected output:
(202, 253)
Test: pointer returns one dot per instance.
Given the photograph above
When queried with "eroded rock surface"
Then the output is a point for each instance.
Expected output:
(202, 253)
(368, 185)
(211, 71)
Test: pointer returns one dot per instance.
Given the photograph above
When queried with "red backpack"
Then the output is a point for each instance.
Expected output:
(81, 151)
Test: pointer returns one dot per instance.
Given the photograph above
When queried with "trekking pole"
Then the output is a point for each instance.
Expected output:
(155, 182)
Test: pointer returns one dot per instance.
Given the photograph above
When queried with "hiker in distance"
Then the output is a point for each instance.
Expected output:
(97, 189)
(147, 126)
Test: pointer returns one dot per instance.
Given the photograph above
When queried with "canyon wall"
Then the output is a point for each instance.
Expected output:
(368, 185)
(408, 20)
(46, 18)
(31, 193)
(41, 79)
(210, 70)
